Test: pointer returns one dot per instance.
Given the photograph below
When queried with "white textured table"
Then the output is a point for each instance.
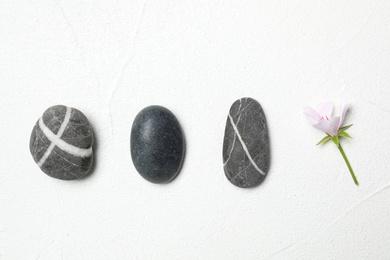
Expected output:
(112, 58)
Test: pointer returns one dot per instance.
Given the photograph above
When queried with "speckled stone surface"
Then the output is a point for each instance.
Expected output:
(157, 144)
(246, 151)
(61, 143)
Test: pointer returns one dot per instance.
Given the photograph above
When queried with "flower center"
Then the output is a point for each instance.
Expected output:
(323, 118)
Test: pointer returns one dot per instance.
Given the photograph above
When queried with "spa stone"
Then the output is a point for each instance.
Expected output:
(61, 143)
(246, 152)
(157, 144)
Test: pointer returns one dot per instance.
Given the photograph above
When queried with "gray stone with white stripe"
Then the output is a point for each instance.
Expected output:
(61, 143)
(246, 151)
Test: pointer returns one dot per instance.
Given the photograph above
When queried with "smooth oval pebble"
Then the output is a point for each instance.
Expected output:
(157, 144)
(61, 143)
(246, 152)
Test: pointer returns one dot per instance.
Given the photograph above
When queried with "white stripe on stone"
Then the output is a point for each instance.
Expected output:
(234, 139)
(47, 153)
(59, 134)
(244, 146)
(57, 141)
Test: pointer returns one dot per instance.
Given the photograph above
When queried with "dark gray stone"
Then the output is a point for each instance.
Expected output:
(246, 152)
(157, 144)
(61, 143)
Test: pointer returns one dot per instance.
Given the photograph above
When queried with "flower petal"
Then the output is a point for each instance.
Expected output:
(325, 110)
(334, 125)
(330, 127)
(343, 111)
(312, 115)
(322, 126)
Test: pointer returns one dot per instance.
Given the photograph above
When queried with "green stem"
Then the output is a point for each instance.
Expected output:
(348, 164)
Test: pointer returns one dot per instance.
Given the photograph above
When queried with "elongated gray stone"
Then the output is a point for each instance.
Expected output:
(246, 152)
(61, 143)
(157, 144)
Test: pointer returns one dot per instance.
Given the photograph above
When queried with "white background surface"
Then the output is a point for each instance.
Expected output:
(112, 58)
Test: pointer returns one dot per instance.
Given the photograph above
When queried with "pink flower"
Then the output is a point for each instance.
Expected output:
(323, 120)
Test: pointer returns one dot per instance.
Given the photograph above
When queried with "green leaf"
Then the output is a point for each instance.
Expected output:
(345, 134)
(335, 140)
(323, 140)
(343, 128)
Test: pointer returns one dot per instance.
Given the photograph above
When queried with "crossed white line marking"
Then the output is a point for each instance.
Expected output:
(57, 141)
(244, 146)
